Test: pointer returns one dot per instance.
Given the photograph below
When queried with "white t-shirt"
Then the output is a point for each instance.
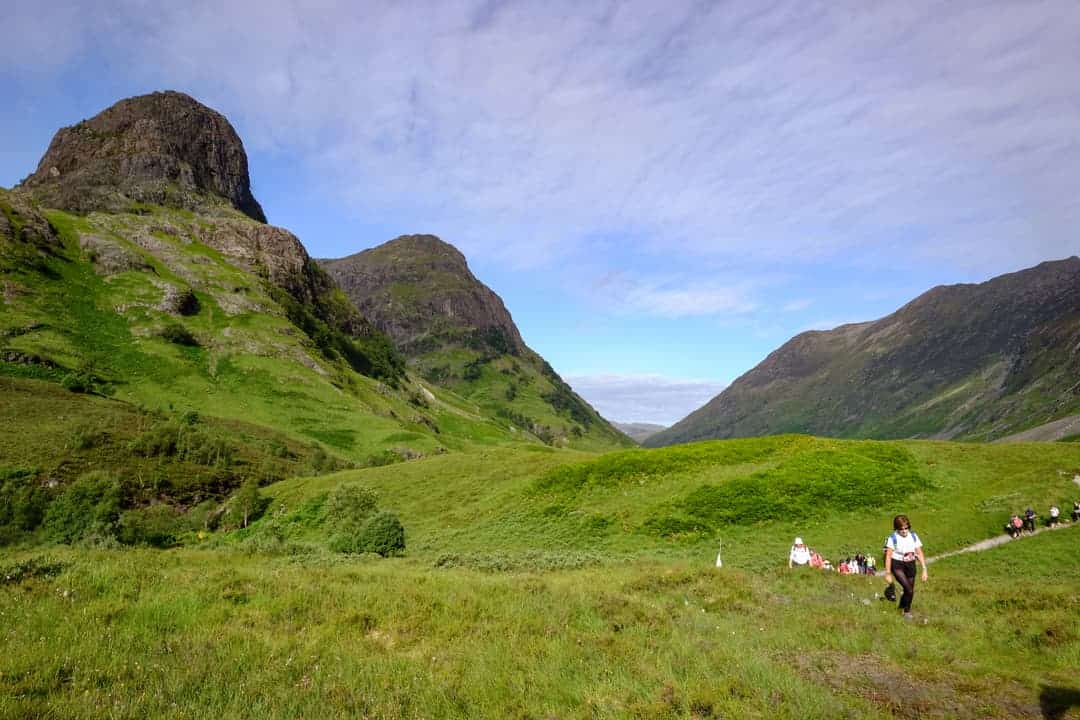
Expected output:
(903, 546)
(800, 555)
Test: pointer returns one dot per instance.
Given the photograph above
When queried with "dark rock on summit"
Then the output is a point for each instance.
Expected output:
(164, 148)
(419, 291)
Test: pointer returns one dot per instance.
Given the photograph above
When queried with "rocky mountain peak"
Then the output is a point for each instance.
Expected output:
(419, 290)
(164, 148)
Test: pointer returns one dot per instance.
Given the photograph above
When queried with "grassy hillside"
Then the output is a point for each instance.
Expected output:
(209, 634)
(510, 507)
(234, 351)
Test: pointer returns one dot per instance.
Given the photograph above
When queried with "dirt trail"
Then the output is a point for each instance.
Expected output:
(995, 541)
(991, 542)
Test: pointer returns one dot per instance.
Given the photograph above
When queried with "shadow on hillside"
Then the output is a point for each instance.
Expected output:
(1055, 701)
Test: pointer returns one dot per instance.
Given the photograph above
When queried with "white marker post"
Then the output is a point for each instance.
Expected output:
(720, 548)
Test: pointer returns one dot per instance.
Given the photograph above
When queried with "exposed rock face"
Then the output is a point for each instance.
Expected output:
(22, 225)
(164, 148)
(419, 291)
(975, 361)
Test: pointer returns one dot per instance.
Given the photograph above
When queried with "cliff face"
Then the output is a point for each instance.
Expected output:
(972, 361)
(164, 148)
(419, 291)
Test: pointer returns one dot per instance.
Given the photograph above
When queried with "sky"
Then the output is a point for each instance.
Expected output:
(661, 193)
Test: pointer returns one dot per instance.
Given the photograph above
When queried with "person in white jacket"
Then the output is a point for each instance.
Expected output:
(799, 555)
(902, 549)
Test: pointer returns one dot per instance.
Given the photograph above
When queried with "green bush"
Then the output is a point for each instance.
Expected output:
(351, 514)
(349, 506)
(382, 534)
(159, 441)
(89, 506)
(178, 335)
(158, 526)
(23, 501)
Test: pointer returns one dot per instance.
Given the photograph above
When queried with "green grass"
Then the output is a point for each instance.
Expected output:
(215, 634)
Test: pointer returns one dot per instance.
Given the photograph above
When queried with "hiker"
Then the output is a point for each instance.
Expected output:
(799, 555)
(902, 548)
(1055, 515)
(1029, 520)
(870, 569)
(844, 568)
(1014, 526)
(1076, 511)
(815, 559)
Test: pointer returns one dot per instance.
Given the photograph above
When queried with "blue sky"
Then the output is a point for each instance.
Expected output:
(662, 193)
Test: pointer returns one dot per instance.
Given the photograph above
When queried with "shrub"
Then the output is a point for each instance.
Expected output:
(159, 441)
(179, 335)
(382, 534)
(86, 436)
(349, 506)
(157, 525)
(90, 505)
(22, 500)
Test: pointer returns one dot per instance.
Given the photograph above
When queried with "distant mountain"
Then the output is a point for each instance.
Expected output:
(960, 361)
(457, 333)
(639, 431)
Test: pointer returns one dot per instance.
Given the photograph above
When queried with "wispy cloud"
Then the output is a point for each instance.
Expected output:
(780, 131)
(797, 305)
(644, 398)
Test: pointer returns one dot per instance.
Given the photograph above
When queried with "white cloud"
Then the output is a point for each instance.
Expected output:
(644, 398)
(780, 132)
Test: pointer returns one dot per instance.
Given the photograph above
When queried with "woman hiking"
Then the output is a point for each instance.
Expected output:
(902, 549)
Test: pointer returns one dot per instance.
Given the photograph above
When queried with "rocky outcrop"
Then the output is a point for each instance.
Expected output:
(419, 291)
(22, 225)
(164, 148)
(970, 361)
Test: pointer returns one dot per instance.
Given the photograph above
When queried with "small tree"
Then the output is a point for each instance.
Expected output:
(247, 501)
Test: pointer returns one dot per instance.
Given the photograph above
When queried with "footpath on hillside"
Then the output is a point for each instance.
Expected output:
(991, 542)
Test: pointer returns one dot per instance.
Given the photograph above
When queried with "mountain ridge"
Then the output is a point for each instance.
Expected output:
(976, 361)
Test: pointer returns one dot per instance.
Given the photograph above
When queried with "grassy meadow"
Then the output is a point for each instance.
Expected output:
(535, 584)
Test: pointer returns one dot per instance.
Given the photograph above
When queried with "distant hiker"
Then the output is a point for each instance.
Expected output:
(870, 569)
(799, 555)
(1014, 526)
(816, 560)
(1055, 515)
(902, 548)
(843, 568)
(1076, 511)
(1029, 520)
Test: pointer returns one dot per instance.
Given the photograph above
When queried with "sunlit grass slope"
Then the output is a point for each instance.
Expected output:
(749, 497)
(185, 633)
(245, 360)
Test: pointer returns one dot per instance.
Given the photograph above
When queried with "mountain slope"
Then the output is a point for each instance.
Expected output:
(961, 361)
(457, 333)
(191, 302)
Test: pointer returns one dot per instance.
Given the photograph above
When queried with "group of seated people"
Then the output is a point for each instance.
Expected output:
(1018, 524)
(803, 556)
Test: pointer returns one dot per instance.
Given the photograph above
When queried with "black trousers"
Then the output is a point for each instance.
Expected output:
(904, 573)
